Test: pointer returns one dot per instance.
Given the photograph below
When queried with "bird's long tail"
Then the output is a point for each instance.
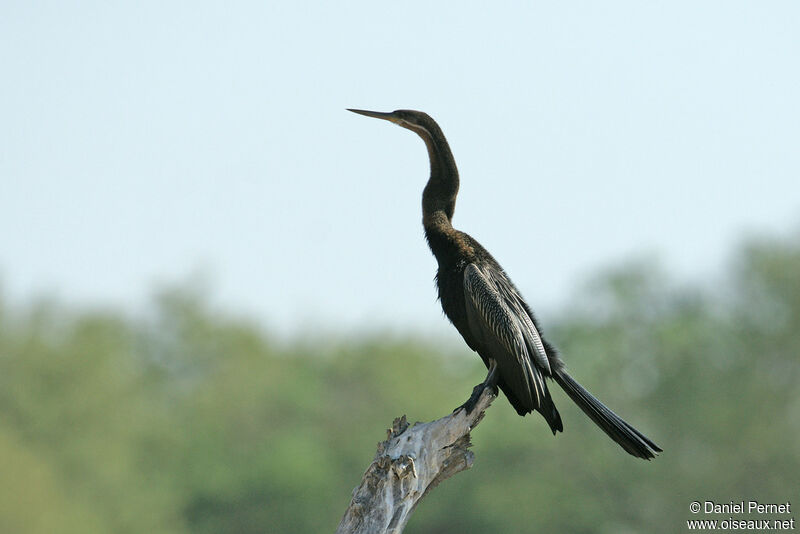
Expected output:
(630, 439)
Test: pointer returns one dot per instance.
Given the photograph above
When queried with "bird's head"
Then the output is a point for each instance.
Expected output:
(416, 121)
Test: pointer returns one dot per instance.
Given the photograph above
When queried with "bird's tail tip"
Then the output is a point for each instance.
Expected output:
(630, 439)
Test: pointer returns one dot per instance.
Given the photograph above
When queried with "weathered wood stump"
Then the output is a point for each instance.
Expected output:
(409, 464)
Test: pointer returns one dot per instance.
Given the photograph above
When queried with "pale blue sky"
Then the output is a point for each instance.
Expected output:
(142, 142)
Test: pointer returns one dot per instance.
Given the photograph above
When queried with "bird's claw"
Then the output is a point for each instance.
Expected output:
(477, 391)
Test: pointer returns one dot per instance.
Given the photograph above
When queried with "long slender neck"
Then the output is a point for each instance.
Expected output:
(439, 196)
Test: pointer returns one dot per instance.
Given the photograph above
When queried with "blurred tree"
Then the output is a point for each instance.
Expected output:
(194, 421)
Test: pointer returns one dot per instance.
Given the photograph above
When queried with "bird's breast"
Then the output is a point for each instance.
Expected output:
(450, 283)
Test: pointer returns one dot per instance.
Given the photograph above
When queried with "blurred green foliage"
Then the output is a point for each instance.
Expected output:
(193, 421)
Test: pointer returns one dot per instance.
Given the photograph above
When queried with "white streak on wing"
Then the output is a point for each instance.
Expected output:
(493, 306)
(527, 327)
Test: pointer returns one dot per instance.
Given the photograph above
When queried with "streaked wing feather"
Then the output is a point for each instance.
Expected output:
(503, 326)
(530, 333)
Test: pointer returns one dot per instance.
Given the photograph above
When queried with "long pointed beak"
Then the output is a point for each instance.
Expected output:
(376, 114)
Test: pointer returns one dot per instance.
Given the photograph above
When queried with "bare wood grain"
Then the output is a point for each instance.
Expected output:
(407, 466)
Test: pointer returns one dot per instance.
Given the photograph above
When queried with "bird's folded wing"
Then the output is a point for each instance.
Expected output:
(517, 307)
(499, 321)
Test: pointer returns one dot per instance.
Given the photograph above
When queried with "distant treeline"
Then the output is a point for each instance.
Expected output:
(190, 421)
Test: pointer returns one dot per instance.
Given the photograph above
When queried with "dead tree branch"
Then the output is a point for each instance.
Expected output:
(409, 464)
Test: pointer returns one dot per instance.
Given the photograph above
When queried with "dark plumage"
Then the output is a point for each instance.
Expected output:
(488, 310)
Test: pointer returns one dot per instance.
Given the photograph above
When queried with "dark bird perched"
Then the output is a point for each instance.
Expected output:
(488, 310)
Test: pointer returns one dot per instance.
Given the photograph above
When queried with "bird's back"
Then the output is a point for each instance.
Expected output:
(456, 254)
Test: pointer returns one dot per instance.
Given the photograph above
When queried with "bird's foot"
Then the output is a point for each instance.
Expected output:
(477, 391)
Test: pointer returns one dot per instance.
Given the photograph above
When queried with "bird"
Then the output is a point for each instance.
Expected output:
(488, 310)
